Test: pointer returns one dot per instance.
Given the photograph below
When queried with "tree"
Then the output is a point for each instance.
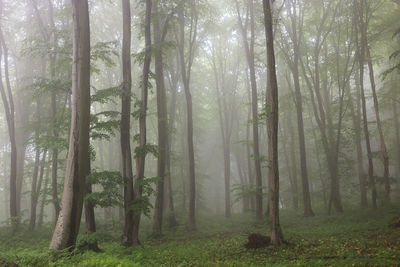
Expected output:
(361, 60)
(68, 222)
(186, 67)
(141, 151)
(249, 49)
(365, 44)
(294, 30)
(162, 119)
(127, 174)
(273, 116)
(8, 102)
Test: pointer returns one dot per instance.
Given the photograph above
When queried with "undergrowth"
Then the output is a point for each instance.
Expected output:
(354, 238)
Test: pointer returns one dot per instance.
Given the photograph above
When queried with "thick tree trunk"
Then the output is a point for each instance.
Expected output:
(272, 121)
(67, 227)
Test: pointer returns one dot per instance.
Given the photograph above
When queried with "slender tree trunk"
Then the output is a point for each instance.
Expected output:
(127, 172)
(361, 58)
(294, 67)
(272, 121)
(172, 111)
(249, 49)
(44, 193)
(141, 154)
(90, 220)
(384, 152)
(162, 120)
(8, 103)
(67, 227)
(54, 163)
(185, 71)
(34, 197)
(396, 125)
(355, 114)
(248, 153)
(293, 161)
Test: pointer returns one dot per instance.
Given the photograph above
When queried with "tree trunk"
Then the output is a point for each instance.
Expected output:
(384, 152)
(127, 172)
(272, 121)
(44, 194)
(34, 197)
(355, 114)
(54, 163)
(294, 67)
(162, 125)
(172, 111)
(293, 161)
(361, 59)
(67, 227)
(90, 220)
(249, 49)
(185, 71)
(141, 154)
(396, 125)
(8, 103)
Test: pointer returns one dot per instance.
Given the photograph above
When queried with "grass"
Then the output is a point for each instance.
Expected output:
(354, 238)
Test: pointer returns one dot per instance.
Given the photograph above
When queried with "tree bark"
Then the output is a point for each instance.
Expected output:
(44, 193)
(361, 59)
(185, 72)
(127, 172)
(162, 125)
(67, 227)
(249, 49)
(8, 103)
(272, 121)
(384, 152)
(356, 114)
(141, 150)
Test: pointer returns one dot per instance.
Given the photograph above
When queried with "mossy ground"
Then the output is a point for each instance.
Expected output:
(354, 238)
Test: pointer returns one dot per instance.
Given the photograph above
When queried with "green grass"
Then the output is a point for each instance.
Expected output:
(354, 238)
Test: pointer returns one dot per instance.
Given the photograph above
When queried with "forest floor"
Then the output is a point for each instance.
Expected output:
(354, 238)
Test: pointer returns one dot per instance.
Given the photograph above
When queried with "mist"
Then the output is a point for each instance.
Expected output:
(157, 125)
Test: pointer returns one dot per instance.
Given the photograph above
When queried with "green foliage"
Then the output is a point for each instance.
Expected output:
(110, 195)
(242, 191)
(355, 238)
(146, 149)
(103, 125)
(87, 240)
(142, 204)
(104, 52)
(395, 58)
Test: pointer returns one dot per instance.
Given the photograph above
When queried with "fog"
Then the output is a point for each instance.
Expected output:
(184, 120)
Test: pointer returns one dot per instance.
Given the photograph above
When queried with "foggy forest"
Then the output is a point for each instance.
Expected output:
(199, 133)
